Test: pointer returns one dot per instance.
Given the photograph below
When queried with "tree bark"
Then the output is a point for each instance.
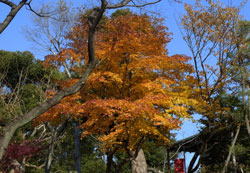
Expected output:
(109, 162)
(50, 153)
(13, 12)
(77, 152)
(56, 133)
(139, 164)
(231, 150)
(245, 104)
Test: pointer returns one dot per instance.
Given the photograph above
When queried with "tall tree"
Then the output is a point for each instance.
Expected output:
(94, 19)
(211, 32)
(137, 91)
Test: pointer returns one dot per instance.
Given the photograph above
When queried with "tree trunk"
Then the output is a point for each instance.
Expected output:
(246, 105)
(50, 153)
(231, 150)
(77, 152)
(139, 164)
(109, 162)
(56, 132)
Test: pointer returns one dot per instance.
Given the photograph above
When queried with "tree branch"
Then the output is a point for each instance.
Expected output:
(28, 4)
(9, 3)
(125, 3)
(118, 5)
(143, 5)
(14, 10)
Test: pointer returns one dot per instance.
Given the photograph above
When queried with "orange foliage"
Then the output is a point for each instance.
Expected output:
(137, 91)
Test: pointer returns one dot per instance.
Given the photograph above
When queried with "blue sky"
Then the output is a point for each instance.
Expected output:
(13, 38)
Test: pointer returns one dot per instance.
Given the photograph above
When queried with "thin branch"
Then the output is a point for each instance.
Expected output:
(29, 7)
(177, 151)
(118, 5)
(143, 5)
(125, 3)
(34, 166)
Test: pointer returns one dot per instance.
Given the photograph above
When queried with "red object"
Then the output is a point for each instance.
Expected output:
(179, 165)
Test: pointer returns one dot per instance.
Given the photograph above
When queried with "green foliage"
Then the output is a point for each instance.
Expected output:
(220, 143)
(30, 96)
(19, 68)
(23, 80)
(91, 158)
(122, 12)
(8, 110)
(154, 154)
(14, 66)
(91, 163)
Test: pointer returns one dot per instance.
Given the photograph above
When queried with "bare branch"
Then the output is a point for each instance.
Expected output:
(118, 5)
(125, 3)
(36, 13)
(143, 5)
(29, 7)
(34, 166)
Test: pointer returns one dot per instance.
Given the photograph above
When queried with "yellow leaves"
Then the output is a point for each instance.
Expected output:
(67, 83)
(104, 78)
(154, 87)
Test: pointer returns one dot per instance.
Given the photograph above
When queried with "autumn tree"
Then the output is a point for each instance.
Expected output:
(94, 19)
(136, 92)
(211, 32)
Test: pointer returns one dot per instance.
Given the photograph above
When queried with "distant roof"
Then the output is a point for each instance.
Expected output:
(189, 144)
(194, 143)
